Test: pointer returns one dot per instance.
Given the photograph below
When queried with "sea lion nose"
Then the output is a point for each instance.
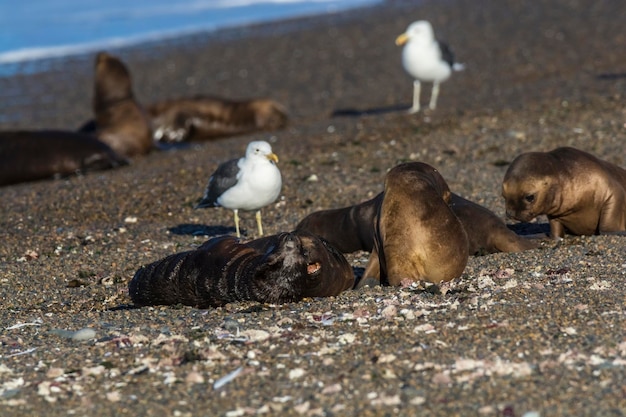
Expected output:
(290, 242)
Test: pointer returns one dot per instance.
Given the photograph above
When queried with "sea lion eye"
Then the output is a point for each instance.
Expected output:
(530, 198)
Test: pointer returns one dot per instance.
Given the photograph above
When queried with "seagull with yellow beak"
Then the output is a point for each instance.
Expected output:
(426, 60)
(247, 183)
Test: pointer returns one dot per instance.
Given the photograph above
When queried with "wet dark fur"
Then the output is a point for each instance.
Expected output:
(349, 229)
(120, 121)
(45, 154)
(272, 269)
(204, 118)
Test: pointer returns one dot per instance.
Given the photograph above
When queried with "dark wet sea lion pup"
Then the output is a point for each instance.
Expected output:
(417, 236)
(274, 269)
(348, 229)
(204, 118)
(120, 121)
(30, 155)
(579, 193)
(352, 228)
(486, 232)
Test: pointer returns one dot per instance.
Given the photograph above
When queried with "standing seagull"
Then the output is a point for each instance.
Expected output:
(247, 183)
(425, 59)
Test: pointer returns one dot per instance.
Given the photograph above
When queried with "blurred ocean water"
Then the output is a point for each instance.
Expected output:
(40, 29)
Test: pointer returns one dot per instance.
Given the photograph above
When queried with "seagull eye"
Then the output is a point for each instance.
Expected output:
(530, 198)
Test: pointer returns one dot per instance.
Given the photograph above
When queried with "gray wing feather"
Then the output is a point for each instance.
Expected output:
(224, 177)
(446, 53)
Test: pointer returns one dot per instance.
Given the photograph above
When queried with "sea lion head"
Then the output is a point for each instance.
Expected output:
(298, 265)
(113, 81)
(328, 271)
(409, 174)
(530, 186)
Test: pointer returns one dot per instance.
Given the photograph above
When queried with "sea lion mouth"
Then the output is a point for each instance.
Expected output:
(313, 268)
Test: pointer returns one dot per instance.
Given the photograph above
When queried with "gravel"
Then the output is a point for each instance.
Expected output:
(523, 334)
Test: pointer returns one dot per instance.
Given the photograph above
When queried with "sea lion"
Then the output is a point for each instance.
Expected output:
(274, 269)
(204, 118)
(417, 236)
(348, 229)
(120, 121)
(352, 228)
(486, 232)
(44, 154)
(580, 194)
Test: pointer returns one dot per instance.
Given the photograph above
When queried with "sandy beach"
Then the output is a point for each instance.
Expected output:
(537, 333)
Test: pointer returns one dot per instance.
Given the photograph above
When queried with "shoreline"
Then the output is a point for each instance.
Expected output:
(128, 46)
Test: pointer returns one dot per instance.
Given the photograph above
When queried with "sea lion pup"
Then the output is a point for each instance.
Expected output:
(120, 121)
(204, 118)
(348, 229)
(579, 193)
(417, 236)
(275, 269)
(45, 154)
(486, 232)
(352, 228)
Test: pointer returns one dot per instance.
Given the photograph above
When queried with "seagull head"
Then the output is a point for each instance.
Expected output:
(260, 148)
(420, 30)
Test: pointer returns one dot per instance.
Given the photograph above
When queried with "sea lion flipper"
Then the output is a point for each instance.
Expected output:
(371, 275)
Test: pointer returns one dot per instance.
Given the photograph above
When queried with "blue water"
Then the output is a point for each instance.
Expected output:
(36, 29)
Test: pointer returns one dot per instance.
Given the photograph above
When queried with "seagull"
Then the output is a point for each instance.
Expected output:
(247, 183)
(426, 59)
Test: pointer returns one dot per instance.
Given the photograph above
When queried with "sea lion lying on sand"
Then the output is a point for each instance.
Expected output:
(348, 229)
(274, 269)
(203, 118)
(352, 228)
(120, 121)
(579, 193)
(486, 232)
(44, 154)
(417, 236)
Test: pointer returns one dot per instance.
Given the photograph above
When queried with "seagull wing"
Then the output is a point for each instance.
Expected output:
(446, 53)
(224, 177)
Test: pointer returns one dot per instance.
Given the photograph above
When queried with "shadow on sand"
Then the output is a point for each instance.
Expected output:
(370, 112)
(201, 230)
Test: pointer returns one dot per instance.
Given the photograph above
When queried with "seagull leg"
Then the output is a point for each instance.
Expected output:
(258, 222)
(416, 97)
(433, 95)
(237, 221)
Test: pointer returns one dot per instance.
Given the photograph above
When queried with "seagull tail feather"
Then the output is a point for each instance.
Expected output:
(206, 202)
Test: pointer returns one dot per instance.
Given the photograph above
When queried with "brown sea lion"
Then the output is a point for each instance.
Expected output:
(486, 232)
(417, 236)
(120, 121)
(45, 154)
(580, 194)
(203, 118)
(352, 228)
(348, 229)
(274, 269)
